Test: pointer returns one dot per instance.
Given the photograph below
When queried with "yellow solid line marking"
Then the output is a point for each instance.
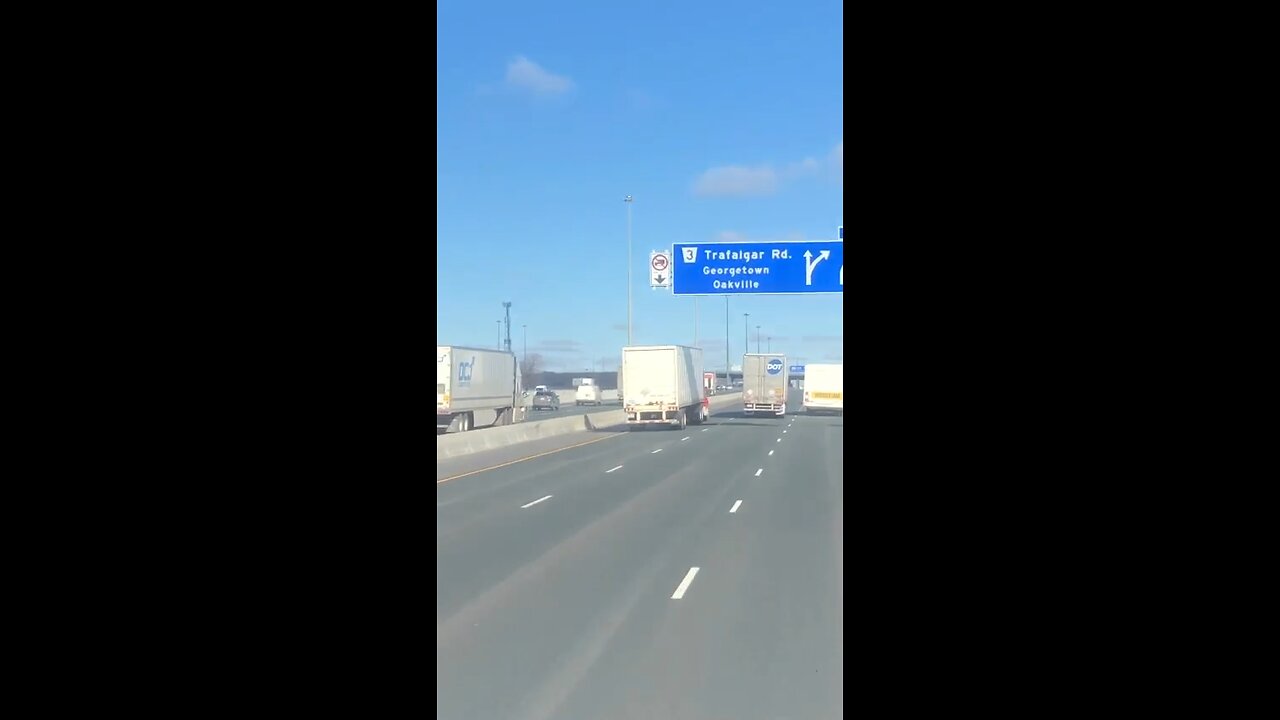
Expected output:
(513, 462)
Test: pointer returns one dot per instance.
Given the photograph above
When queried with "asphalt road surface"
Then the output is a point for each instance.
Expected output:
(645, 574)
(567, 407)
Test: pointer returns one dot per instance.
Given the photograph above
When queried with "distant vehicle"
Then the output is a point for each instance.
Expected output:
(539, 388)
(475, 382)
(664, 385)
(546, 400)
(709, 382)
(589, 393)
(765, 389)
(824, 389)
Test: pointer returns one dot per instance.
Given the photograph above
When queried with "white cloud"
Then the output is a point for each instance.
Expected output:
(525, 74)
(805, 167)
(763, 180)
(737, 180)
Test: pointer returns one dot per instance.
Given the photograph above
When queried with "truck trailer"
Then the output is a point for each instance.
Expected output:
(663, 385)
(764, 383)
(588, 393)
(824, 389)
(476, 387)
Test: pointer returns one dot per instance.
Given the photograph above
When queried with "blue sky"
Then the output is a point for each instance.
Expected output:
(724, 122)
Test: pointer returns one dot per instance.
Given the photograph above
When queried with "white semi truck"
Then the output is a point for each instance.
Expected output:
(764, 383)
(824, 389)
(663, 385)
(477, 387)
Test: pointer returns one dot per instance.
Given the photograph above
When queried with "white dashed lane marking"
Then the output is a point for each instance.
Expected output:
(535, 502)
(684, 584)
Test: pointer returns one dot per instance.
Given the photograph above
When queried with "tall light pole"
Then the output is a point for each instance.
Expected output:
(507, 342)
(757, 339)
(746, 334)
(499, 334)
(768, 344)
(628, 200)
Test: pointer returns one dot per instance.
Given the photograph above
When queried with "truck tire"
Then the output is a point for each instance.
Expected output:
(683, 423)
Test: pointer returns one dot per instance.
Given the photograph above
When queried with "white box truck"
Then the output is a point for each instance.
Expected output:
(764, 383)
(588, 393)
(476, 387)
(824, 389)
(663, 385)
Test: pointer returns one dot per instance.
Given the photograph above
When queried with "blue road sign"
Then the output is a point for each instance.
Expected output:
(758, 268)
(796, 369)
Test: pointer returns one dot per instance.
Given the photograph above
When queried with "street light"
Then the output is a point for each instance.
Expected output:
(506, 342)
(757, 339)
(499, 334)
(628, 200)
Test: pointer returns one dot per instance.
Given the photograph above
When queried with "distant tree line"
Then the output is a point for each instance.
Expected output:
(606, 380)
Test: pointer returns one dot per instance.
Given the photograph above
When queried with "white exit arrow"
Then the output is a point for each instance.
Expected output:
(810, 264)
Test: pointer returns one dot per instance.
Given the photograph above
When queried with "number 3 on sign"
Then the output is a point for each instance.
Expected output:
(690, 254)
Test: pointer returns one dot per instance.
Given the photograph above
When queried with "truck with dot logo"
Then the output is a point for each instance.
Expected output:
(476, 387)
(764, 383)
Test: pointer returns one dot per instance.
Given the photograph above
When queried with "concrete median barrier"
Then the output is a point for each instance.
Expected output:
(473, 441)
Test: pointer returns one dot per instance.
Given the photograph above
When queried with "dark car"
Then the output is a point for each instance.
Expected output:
(546, 400)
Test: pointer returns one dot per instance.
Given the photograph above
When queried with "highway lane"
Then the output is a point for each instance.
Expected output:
(759, 632)
(555, 577)
(567, 407)
(449, 468)
(590, 479)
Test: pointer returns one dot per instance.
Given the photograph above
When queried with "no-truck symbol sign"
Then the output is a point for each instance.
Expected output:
(660, 270)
